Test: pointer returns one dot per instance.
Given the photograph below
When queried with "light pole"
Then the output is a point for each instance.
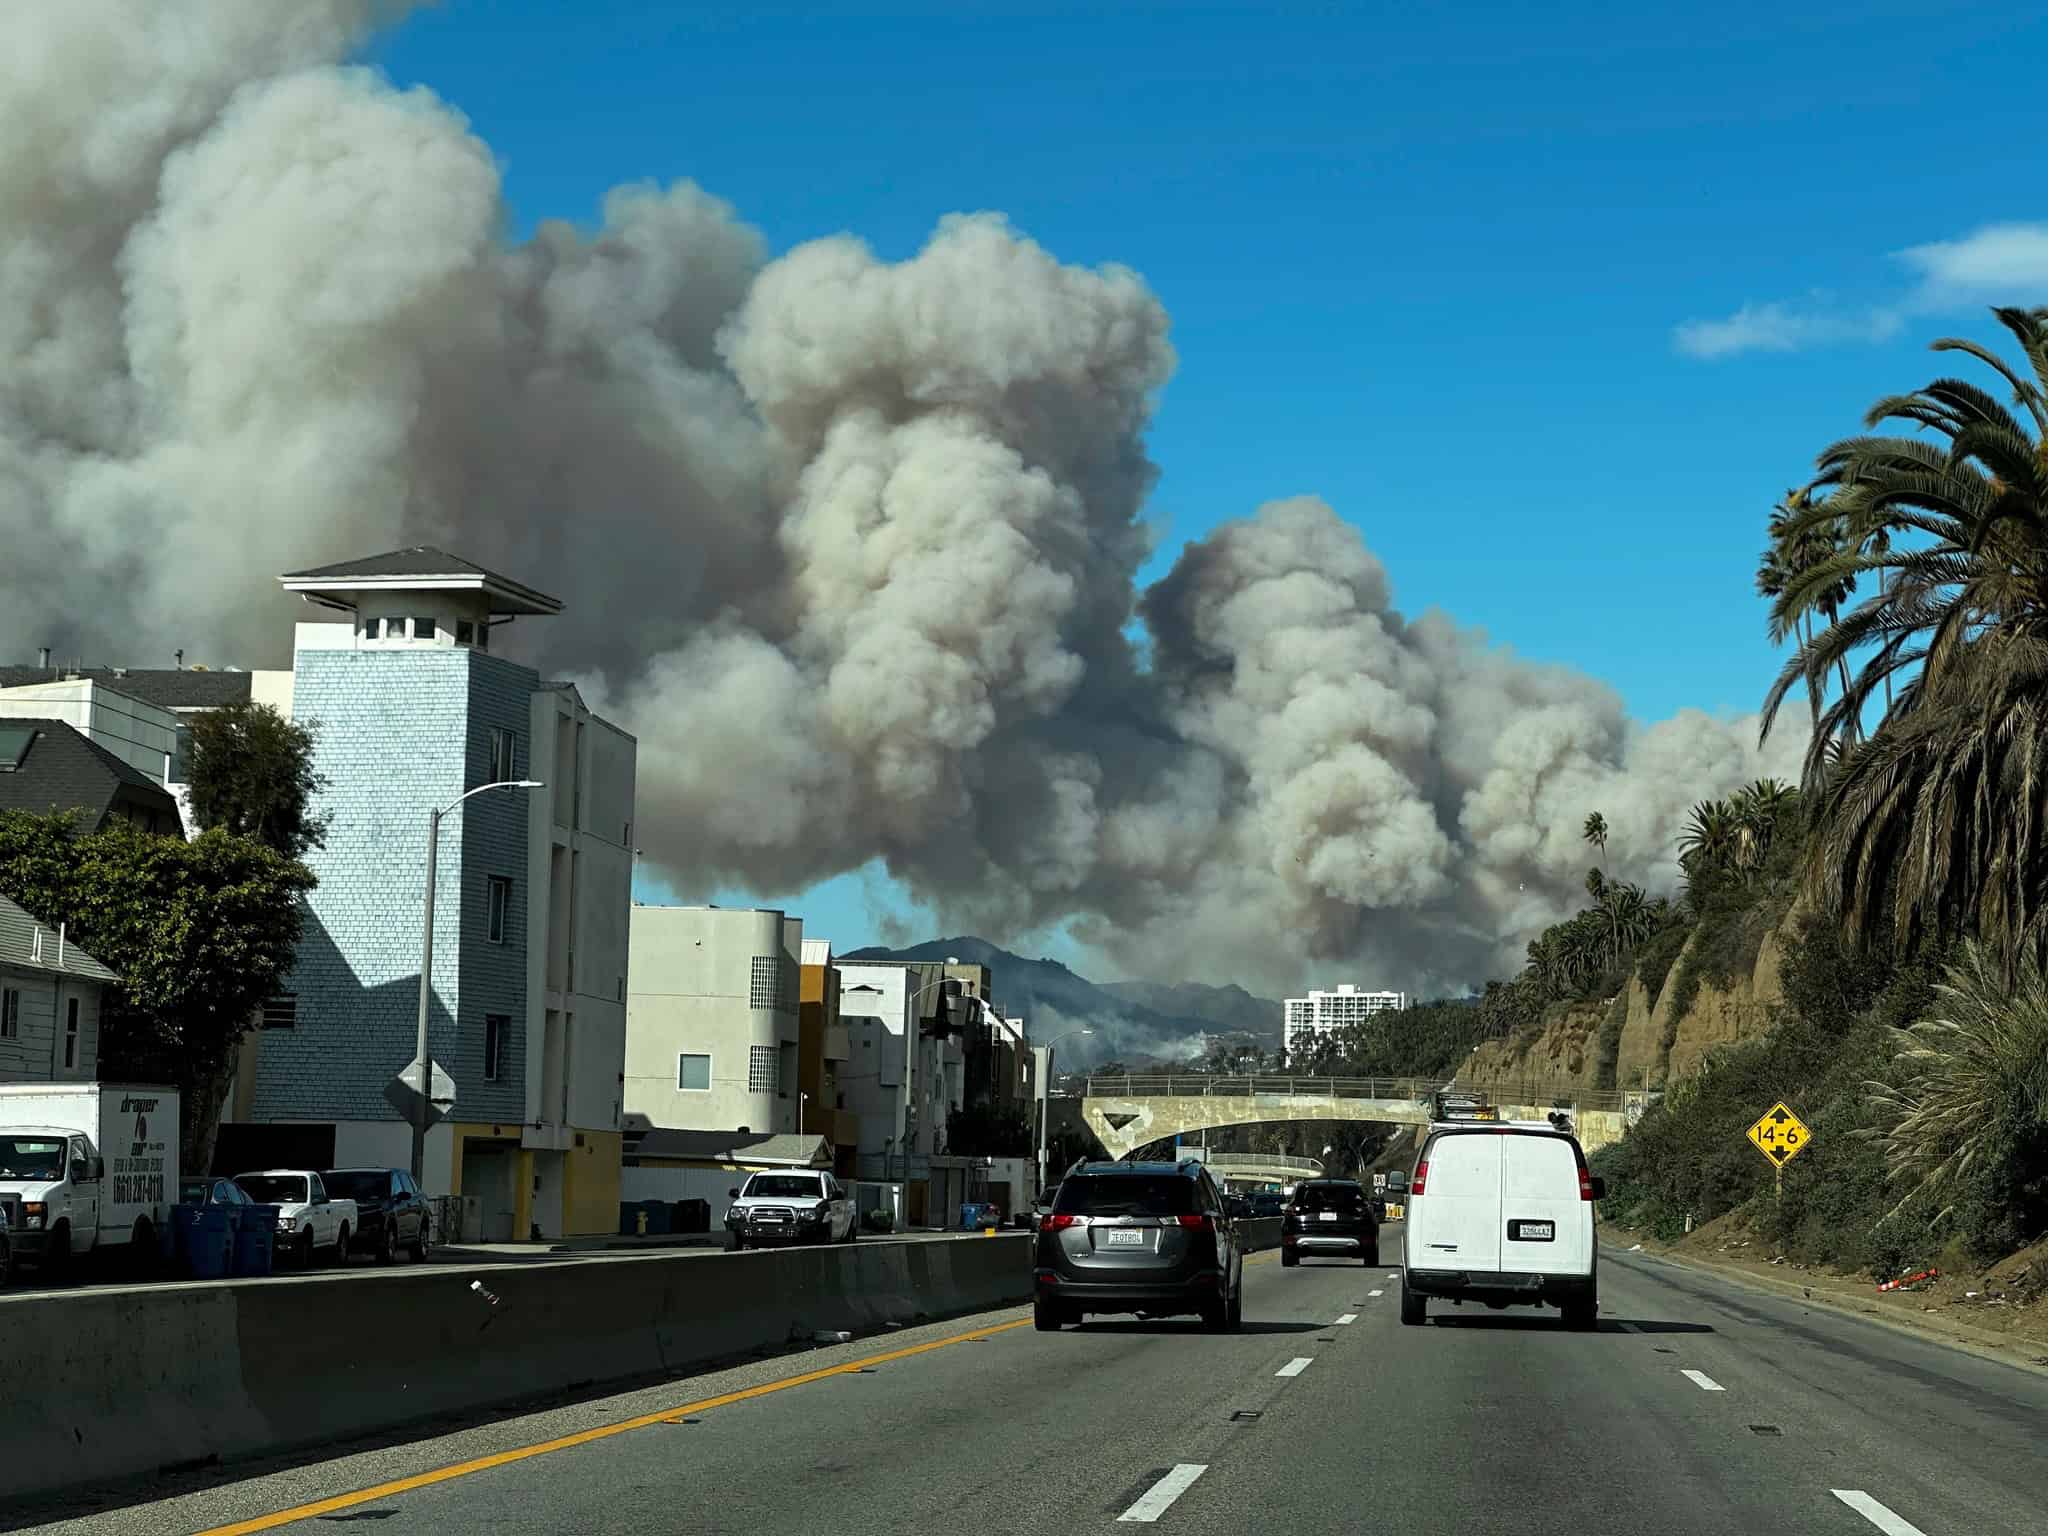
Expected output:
(426, 1082)
(1045, 1095)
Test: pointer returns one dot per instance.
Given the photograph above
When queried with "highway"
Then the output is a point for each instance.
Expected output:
(1698, 1406)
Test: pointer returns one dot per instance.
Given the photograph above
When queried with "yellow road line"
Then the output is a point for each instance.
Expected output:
(584, 1437)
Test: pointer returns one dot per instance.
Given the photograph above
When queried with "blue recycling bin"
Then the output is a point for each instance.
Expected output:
(206, 1241)
(255, 1250)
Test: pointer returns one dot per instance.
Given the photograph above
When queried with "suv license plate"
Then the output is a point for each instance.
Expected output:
(1125, 1237)
(1532, 1231)
(1326, 1215)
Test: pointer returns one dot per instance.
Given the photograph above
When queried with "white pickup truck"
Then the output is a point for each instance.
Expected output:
(307, 1220)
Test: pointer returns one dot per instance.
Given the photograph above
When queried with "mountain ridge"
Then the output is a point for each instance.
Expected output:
(1132, 1021)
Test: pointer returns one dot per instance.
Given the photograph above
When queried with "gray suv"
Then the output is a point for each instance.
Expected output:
(1151, 1238)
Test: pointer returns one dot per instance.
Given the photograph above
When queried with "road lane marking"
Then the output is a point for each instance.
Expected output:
(1160, 1496)
(1375, 1293)
(1348, 1317)
(584, 1437)
(1703, 1381)
(1295, 1366)
(1393, 1274)
(1876, 1513)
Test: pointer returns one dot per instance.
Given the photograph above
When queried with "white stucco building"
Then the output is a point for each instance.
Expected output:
(711, 1020)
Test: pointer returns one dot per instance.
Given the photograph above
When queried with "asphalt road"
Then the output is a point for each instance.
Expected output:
(1699, 1406)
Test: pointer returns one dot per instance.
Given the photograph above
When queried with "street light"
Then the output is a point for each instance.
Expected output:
(1045, 1096)
(419, 1114)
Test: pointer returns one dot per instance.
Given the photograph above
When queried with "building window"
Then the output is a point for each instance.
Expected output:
(10, 1014)
(762, 1063)
(372, 628)
(693, 1073)
(500, 889)
(71, 1035)
(772, 983)
(281, 1012)
(497, 1030)
(422, 629)
(504, 756)
(465, 632)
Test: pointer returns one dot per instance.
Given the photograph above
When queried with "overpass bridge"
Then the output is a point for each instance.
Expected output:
(1126, 1113)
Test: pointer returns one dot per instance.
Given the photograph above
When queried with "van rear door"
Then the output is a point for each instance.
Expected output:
(1546, 1228)
(1455, 1223)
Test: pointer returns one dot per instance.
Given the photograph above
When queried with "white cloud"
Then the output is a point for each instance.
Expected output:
(1999, 263)
(1778, 327)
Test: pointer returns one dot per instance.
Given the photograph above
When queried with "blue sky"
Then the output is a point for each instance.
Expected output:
(1436, 264)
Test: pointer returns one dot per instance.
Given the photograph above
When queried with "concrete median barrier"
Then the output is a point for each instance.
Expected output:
(116, 1383)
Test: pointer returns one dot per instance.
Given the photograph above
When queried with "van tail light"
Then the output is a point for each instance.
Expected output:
(1056, 1221)
(1585, 1182)
(1201, 1223)
(1415, 1184)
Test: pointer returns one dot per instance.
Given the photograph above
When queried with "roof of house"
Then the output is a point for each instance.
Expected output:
(60, 768)
(806, 1151)
(420, 567)
(18, 947)
(165, 687)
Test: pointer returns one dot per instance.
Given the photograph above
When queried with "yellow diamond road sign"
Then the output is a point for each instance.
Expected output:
(1780, 1135)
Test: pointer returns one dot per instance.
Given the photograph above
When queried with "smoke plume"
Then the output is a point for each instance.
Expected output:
(851, 545)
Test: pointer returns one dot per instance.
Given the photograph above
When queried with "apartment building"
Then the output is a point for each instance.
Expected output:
(712, 1021)
(1323, 1013)
(529, 974)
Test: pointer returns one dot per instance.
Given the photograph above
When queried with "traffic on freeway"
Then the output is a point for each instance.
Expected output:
(1695, 1405)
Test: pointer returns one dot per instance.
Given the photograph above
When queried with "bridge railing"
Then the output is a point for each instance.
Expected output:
(1194, 1085)
(1411, 1089)
(1264, 1162)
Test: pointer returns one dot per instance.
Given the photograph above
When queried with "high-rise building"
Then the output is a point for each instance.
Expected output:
(1323, 1013)
(533, 890)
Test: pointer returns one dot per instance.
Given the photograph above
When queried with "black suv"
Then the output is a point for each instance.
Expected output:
(1151, 1238)
(1329, 1217)
(391, 1213)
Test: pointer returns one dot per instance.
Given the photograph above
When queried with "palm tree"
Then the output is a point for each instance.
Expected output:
(1939, 820)
(1755, 812)
(1973, 1079)
(1596, 833)
(1804, 537)
(1708, 841)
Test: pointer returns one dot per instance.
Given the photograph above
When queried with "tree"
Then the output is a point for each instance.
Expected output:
(1934, 824)
(1595, 832)
(200, 933)
(251, 773)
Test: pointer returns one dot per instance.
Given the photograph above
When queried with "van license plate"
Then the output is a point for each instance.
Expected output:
(1126, 1237)
(1532, 1231)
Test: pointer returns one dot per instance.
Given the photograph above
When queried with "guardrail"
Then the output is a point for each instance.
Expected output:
(1412, 1089)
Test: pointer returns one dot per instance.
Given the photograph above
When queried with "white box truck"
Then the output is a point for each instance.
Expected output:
(86, 1167)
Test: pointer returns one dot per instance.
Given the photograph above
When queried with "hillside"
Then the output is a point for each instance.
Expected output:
(1138, 1023)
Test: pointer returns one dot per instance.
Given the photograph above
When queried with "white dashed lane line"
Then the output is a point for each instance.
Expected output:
(1703, 1381)
(1348, 1317)
(1295, 1366)
(1876, 1513)
(1160, 1496)
(1375, 1293)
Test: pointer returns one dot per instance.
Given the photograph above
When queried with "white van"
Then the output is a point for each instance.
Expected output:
(1501, 1212)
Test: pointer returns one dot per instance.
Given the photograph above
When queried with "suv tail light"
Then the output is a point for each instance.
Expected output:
(1585, 1182)
(1415, 1183)
(1056, 1221)
(1201, 1223)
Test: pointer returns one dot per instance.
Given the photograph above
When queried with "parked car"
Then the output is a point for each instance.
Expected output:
(1501, 1213)
(1151, 1238)
(391, 1213)
(807, 1206)
(6, 1250)
(1329, 1218)
(214, 1191)
(309, 1220)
